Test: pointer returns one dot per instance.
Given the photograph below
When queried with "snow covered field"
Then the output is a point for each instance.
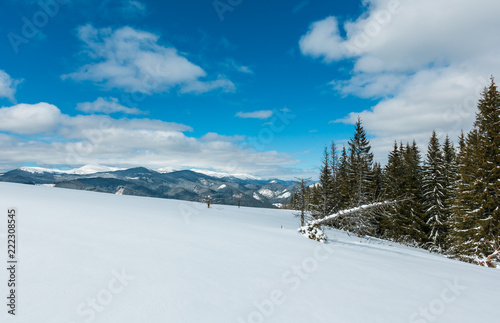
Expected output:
(93, 257)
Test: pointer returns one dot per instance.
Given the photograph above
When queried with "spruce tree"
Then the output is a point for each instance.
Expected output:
(434, 193)
(334, 167)
(360, 167)
(450, 177)
(391, 186)
(476, 229)
(300, 200)
(402, 181)
(342, 181)
(414, 225)
(360, 178)
(324, 191)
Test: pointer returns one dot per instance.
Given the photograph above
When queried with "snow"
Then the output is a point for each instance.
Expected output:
(221, 187)
(40, 170)
(285, 195)
(166, 170)
(256, 196)
(266, 192)
(349, 211)
(221, 175)
(84, 170)
(156, 260)
(120, 191)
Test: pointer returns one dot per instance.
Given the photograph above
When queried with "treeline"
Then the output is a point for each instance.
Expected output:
(449, 200)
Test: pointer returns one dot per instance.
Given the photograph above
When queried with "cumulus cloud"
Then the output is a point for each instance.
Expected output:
(425, 61)
(261, 114)
(8, 86)
(323, 40)
(29, 119)
(134, 61)
(107, 106)
(42, 135)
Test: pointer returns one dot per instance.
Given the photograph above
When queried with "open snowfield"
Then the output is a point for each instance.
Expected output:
(94, 257)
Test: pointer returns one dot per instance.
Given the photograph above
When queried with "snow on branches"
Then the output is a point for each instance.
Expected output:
(312, 228)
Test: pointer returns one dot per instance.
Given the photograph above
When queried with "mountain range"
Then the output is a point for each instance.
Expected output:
(189, 185)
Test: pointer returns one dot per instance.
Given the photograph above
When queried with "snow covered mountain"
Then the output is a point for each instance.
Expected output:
(88, 257)
(191, 185)
(84, 170)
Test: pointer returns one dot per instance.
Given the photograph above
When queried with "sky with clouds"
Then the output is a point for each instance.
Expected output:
(253, 87)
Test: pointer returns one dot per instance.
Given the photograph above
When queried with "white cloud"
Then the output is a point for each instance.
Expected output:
(323, 40)
(52, 138)
(133, 8)
(231, 63)
(132, 60)
(8, 86)
(212, 136)
(29, 119)
(425, 61)
(261, 114)
(106, 105)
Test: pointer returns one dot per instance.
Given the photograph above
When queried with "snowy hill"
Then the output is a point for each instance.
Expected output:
(91, 257)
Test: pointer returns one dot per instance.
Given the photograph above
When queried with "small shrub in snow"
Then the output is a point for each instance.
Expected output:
(313, 232)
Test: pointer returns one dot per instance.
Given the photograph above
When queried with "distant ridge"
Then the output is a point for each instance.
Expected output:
(189, 185)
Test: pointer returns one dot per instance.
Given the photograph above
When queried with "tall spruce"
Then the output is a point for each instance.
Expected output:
(434, 193)
(324, 192)
(392, 187)
(450, 177)
(360, 167)
(476, 229)
(300, 200)
(403, 222)
(360, 178)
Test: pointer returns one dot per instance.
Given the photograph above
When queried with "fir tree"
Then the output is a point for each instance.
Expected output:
(324, 192)
(450, 178)
(391, 186)
(360, 167)
(402, 181)
(342, 181)
(434, 193)
(415, 228)
(360, 178)
(301, 200)
(477, 225)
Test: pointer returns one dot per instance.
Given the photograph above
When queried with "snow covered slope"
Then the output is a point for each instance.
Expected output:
(93, 257)
(84, 170)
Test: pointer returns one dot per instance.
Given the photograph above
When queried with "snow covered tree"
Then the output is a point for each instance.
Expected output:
(377, 180)
(392, 187)
(300, 200)
(402, 181)
(450, 178)
(476, 229)
(342, 181)
(434, 193)
(412, 209)
(360, 167)
(325, 200)
(359, 172)
(334, 166)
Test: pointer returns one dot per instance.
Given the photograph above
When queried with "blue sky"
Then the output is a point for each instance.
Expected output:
(253, 87)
